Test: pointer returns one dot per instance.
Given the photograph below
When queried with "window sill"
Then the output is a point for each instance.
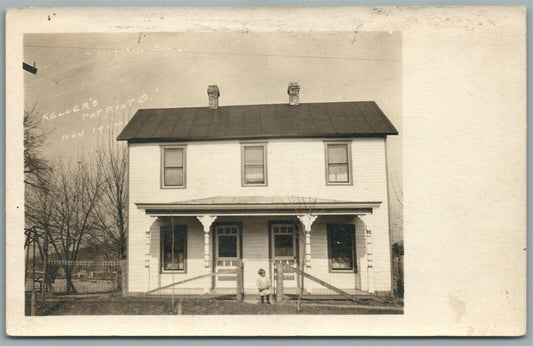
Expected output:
(173, 272)
(339, 184)
(347, 271)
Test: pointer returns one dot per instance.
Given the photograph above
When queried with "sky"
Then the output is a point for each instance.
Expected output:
(89, 85)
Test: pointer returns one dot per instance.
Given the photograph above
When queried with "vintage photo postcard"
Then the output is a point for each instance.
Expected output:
(266, 171)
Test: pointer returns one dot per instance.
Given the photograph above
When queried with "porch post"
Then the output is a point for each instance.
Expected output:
(145, 223)
(206, 221)
(307, 220)
(369, 255)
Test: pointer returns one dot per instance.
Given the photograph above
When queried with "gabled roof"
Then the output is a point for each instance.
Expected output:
(334, 119)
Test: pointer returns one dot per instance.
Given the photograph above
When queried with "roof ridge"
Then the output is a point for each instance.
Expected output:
(254, 104)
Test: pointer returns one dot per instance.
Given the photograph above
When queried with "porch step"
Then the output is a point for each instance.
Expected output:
(256, 299)
(251, 300)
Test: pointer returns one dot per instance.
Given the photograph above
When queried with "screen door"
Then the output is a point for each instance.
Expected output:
(228, 249)
(284, 249)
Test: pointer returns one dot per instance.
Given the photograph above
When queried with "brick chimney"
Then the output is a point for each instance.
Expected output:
(213, 93)
(293, 90)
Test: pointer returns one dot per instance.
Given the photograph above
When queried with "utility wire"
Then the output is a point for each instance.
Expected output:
(215, 53)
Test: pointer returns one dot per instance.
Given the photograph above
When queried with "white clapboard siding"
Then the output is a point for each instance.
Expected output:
(296, 167)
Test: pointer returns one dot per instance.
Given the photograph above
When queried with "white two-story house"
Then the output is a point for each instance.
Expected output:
(301, 184)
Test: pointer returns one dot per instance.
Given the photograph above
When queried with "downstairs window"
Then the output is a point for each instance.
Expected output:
(341, 248)
(174, 248)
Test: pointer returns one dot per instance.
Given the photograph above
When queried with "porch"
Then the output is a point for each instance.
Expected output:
(329, 239)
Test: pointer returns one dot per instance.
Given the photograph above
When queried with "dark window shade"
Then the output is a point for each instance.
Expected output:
(341, 242)
(283, 245)
(174, 245)
(227, 246)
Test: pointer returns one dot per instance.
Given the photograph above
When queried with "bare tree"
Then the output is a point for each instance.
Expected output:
(36, 175)
(65, 210)
(79, 206)
(396, 207)
(111, 213)
(36, 169)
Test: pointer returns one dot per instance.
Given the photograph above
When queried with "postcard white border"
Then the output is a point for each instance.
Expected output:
(464, 167)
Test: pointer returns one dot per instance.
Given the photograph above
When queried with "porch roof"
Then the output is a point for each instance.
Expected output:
(259, 205)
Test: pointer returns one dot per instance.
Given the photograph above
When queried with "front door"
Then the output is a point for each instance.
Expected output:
(227, 252)
(284, 249)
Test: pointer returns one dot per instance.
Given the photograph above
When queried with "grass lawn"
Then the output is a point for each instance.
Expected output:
(116, 305)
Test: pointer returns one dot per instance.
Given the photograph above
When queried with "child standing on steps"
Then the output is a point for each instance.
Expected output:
(263, 285)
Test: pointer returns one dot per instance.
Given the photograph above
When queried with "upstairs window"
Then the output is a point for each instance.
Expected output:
(173, 167)
(338, 164)
(254, 172)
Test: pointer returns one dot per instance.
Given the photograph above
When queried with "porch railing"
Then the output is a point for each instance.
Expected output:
(239, 289)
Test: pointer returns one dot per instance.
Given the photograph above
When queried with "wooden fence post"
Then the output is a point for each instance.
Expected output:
(45, 266)
(240, 281)
(123, 277)
(279, 282)
(301, 281)
(179, 310)
(32, 307)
